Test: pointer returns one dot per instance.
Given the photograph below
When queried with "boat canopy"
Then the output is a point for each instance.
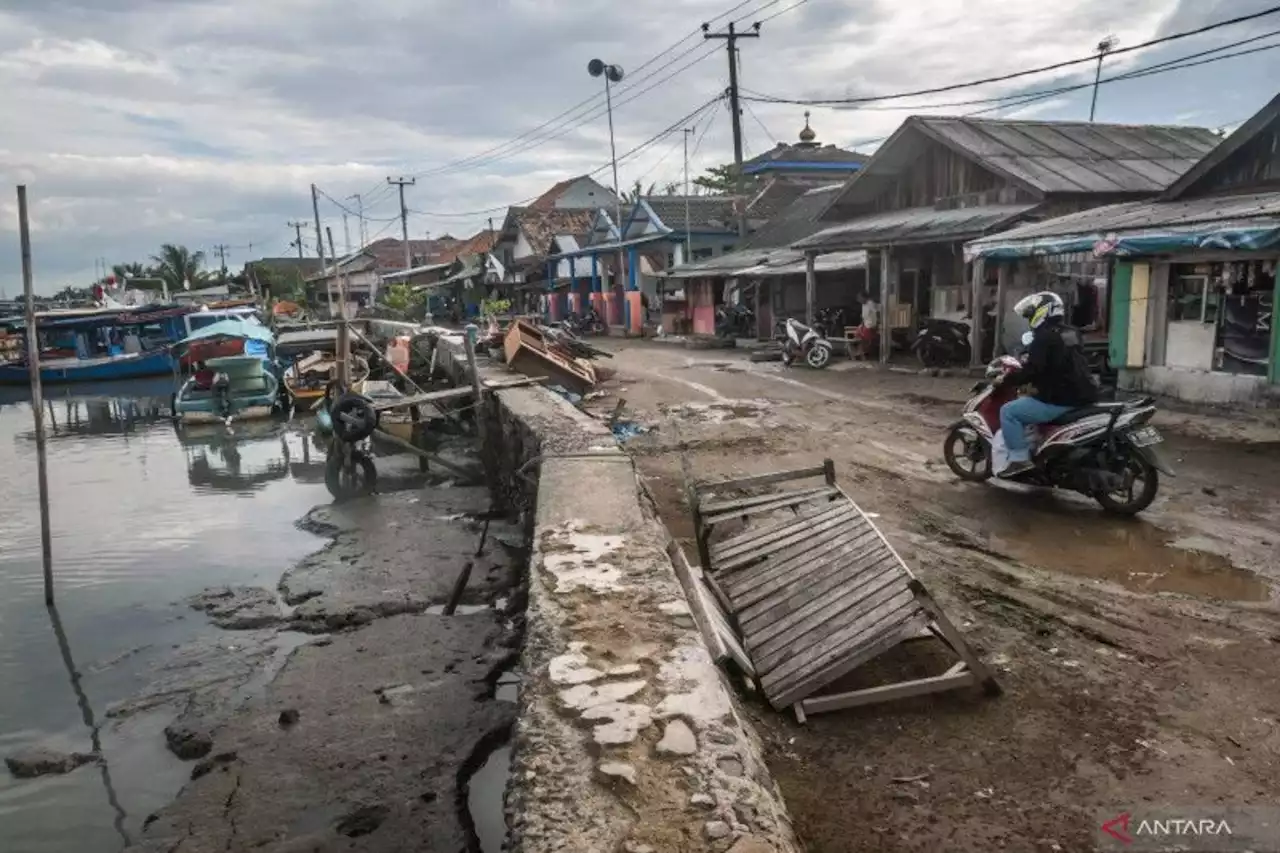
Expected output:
(230, 328)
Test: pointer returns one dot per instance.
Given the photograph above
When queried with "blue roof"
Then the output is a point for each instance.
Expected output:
(231, 328)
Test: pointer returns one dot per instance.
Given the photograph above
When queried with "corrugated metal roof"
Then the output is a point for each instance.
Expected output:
(706, 213)
(793, 263)
(1091, 226)
(1076, 157)
(799, 219)
(913, 225)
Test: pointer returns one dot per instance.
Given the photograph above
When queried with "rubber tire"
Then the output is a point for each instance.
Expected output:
(952, 462)
(1151, 485)
(359, 407)
(825, 360)
(333, 476)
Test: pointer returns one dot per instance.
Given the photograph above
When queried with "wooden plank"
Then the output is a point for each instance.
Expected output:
(793, 602)
(721, 598)
(752, 536)
(468, 476)
(429, 397)
(811, 624)
(886, 637)
(712, 507)
(712, 620)
(764, 543)
(802, 676)
(762, 580)
(794, 657)
(879, 532)
(772, 505)
(832, 526)
(728, 637)
(766, 479)
(887, 692)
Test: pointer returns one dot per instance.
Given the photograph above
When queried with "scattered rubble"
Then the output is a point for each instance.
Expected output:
(41, 761)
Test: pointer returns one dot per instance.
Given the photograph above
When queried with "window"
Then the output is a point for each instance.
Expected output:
(1190, 299)
(702, 254)
(671, 259)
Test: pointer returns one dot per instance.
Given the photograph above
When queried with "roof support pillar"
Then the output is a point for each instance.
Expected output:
(888, 301)
(595, 273)
(810, 287)
(977, 311)
(1002, 288)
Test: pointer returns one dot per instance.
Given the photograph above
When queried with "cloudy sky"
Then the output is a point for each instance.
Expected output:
(199, 122)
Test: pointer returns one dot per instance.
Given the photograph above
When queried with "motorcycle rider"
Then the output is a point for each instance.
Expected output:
(1058, 369)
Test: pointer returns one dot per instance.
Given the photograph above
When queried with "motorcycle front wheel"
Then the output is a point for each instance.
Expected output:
(818, 356)
(350, 478)
(788, 354)
(1141, 482)
(967, 455)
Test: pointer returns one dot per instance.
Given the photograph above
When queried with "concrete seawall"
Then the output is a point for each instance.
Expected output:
(627, 738)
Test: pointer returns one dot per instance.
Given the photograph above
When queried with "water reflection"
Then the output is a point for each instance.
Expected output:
(143, 515)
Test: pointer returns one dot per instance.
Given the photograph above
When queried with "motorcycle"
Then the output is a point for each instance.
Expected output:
(587, 323)
(1106, 451)
(735, 321)
(941, 343)
(806, 342)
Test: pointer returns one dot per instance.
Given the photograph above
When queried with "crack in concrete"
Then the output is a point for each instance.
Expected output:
(228, 814)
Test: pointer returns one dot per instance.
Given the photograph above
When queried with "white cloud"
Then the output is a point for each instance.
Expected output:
(137, 122)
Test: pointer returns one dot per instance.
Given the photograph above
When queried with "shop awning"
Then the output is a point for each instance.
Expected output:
(913, 226)
(727, 265)
(1249, 222)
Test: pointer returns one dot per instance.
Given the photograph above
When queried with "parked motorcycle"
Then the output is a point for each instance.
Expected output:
(735, 321)
(942, 343)
(806, 342)
(830, 321)
(1107, 451)
(587, 323)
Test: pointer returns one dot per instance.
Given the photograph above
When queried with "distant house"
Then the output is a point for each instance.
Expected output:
(575, 193)
(805, 162)
(940, 182)
(357, 274)
(283, 273)
(1193, 281)
(524, 244)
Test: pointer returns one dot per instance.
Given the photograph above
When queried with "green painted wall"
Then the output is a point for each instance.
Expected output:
(1118, 332)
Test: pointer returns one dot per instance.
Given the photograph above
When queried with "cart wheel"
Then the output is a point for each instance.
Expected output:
(354, 418)
(349, 477)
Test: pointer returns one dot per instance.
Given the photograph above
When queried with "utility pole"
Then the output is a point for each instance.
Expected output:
(362, 234)
(731, 37)
(346, 232)
(221, 250)
(688, 237)
(297, 231)
(404, 216)
(344, 332)
(315, 209)
(1105, 46)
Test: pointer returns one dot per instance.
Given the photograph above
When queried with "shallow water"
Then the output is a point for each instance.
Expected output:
(142, 517)
(484, 800)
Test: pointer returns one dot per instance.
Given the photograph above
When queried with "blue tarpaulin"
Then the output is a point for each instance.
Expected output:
(230, 328)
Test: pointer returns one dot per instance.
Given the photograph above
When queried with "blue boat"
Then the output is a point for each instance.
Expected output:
(223, 388)
(92, 345)
(102, 369)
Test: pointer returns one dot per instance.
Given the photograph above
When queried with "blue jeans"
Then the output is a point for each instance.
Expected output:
(1017, 415)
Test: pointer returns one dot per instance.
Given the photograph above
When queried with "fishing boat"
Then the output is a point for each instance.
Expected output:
(311, 367)
(228, 386)
(92, 345)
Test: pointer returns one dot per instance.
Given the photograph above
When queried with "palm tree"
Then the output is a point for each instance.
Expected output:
(177, 265)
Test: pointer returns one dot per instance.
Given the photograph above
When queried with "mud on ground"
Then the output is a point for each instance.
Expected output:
(1138, 657)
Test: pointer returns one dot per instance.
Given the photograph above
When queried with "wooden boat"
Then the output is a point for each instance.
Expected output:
(306, 380)
(237, 386)
(89, 345)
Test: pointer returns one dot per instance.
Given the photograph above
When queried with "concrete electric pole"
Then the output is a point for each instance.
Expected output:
(401, 183)
(297, 232)
(731, 37)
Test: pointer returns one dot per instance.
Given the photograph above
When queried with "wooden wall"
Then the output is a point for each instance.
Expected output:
(1256, 166)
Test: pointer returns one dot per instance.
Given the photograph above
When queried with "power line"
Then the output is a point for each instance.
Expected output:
(1169, 65)
(798, 3)
(1001, 78)
(768, 134)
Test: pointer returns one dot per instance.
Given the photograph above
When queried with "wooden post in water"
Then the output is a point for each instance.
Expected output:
(37, 397)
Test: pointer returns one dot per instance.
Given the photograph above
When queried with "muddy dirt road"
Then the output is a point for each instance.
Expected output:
(1140, 658)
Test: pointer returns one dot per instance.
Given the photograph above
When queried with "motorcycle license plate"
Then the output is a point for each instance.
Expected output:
(1145, 437)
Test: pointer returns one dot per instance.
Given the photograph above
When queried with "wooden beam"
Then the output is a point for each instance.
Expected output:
(887, 692)
(766, 479)
(888, 300)
(810, 287)
(470, 476)
(977, 311)
(1002, 289)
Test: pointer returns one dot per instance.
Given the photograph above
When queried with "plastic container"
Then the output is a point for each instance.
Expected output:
(398, 353)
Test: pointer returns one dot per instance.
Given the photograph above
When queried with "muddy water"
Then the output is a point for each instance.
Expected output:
(1131, 552)
(484, 799)
(142, 517)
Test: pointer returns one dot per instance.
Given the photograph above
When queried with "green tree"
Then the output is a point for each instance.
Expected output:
(722, 180)
(633, 195)
(178, 264)
(401, 298)
(130, 270)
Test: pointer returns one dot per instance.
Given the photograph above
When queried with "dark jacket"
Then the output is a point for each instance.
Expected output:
(1058, 367)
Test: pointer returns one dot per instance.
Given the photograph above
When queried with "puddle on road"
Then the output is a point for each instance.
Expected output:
(1134, 554)
(484, 799)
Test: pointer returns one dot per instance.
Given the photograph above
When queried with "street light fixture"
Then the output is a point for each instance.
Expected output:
(1105, 46)
(611, 74)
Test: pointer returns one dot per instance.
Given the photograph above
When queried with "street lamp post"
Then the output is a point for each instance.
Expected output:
(1105, 46)
(612, 74)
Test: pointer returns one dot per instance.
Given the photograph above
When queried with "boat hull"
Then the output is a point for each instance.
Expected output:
(91, 370)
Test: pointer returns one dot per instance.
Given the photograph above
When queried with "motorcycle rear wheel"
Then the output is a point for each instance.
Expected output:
(975, 452)
(1131, 501)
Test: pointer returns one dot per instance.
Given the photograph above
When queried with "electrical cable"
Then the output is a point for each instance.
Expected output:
(1027, 72)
